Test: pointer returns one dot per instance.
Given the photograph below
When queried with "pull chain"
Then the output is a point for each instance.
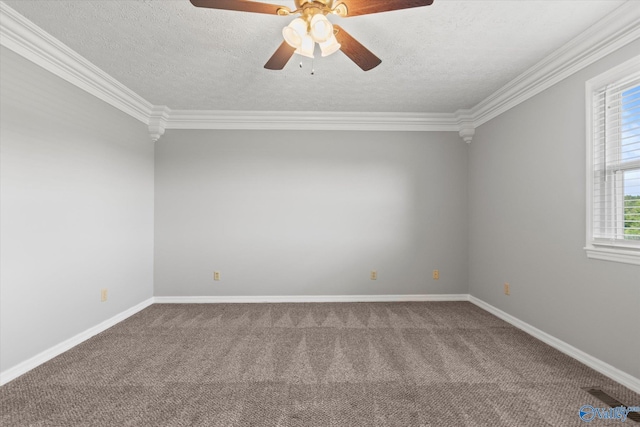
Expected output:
(313, 71)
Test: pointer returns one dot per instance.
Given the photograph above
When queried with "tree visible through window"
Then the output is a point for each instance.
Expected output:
(630, 152)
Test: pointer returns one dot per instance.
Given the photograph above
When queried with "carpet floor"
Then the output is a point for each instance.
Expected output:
(329, 364)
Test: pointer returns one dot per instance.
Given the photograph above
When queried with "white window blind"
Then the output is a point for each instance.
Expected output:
(615, 152)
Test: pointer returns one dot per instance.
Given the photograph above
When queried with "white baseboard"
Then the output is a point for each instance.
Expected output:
(39, 359)
(307, 298)
(604, 368)
(615, 374)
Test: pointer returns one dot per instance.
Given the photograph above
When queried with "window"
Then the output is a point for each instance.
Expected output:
(613, 164)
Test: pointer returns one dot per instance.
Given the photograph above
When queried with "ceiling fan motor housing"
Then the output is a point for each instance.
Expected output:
(325, 3)
(308, 8)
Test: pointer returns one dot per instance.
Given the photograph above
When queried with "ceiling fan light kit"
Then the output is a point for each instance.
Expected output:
(302, 34)
(320, 28)
(306, 47)
(294, 32)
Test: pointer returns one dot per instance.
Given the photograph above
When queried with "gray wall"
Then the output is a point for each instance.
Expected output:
(527, 226)
(310, 213)
(297, 213)
(76, 210)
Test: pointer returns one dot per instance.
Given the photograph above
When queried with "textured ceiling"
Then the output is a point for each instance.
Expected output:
(440, 58)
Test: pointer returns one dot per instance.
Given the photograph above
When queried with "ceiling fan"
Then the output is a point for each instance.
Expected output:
(312, 26)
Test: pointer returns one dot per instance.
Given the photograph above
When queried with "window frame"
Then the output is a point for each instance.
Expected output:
(617, 251)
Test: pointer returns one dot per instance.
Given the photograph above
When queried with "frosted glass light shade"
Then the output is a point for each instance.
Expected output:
(294, 32)
(330, 46)
(307, 46)
(321, 28)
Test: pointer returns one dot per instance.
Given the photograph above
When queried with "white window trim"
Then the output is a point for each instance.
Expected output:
(618, 252)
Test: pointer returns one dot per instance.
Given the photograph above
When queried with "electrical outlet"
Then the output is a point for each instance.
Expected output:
(216, 275)
(436, 274)
(507, 291)
(103, 295)
(374, 275)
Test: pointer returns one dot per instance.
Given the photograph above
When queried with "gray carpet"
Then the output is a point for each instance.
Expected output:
(338, 364)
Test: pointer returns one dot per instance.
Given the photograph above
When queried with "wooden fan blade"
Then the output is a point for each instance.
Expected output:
(365, 7)
(241, 5)
(280, 57)
(359, 54)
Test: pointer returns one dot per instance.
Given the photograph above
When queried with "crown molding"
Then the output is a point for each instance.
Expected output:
(614, 31)
(158, 121)
(28, 40)
(617, 29)
(464, 122)
(25, 38)
(310, 120)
